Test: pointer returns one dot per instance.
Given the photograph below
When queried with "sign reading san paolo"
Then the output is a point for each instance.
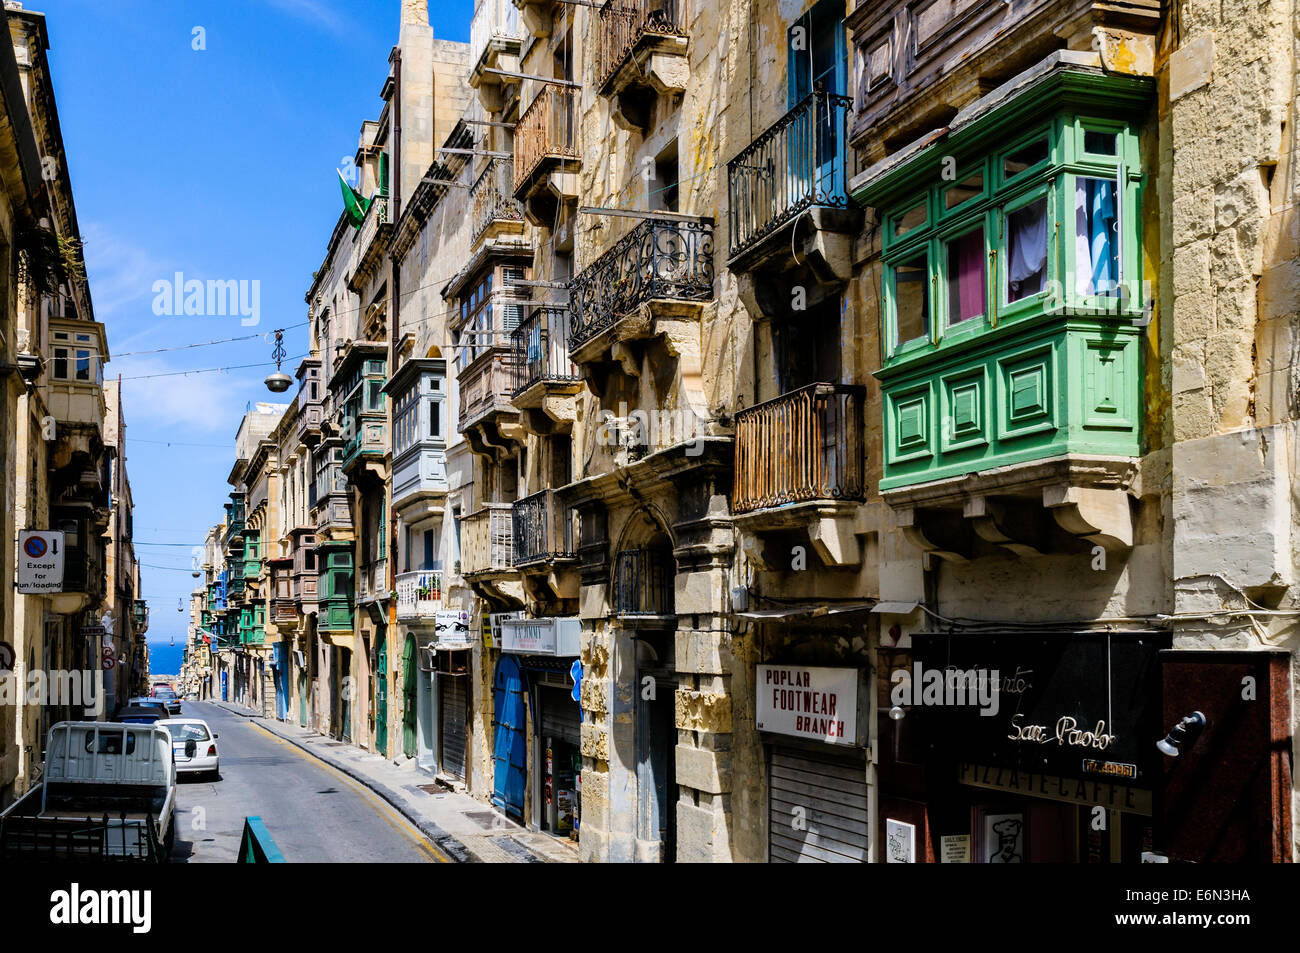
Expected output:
(40, 561)
(820, 704)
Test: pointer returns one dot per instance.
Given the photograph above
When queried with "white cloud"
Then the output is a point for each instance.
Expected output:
(206, 404)
(312, 11)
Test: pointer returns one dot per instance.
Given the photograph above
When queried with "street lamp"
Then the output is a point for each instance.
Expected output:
(278, 382)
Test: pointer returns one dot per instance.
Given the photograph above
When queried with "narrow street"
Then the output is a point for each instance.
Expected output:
(315, 813)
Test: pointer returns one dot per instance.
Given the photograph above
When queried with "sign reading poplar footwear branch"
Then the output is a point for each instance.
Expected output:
(811, 702)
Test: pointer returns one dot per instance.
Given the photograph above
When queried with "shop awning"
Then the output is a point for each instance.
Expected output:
(894, 608)
(809, 611)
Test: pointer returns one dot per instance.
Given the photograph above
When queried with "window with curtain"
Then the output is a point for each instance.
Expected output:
(1025, 226)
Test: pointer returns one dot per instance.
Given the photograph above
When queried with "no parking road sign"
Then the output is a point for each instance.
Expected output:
(40, 561)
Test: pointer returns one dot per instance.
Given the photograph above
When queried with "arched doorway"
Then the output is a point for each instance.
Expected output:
(381, 696)
(509, 746)
(409, 672)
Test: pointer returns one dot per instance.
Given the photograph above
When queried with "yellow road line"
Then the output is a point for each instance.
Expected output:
(381, 807)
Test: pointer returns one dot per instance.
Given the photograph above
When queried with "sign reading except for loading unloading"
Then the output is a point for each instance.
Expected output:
(40, 561)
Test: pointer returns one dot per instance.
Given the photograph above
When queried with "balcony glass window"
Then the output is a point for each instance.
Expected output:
(406, 423)
(1044, 223)
(76, 357)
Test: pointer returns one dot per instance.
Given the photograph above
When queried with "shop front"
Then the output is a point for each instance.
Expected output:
(813, 723)
(544, 654)
(1035, 748)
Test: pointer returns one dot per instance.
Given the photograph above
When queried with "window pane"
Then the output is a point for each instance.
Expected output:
(1027, 156)
(1027, 250)
(912, 298)
(966, 276)
(435, 418)
(61, 363)
(1096, 237)
(83, 365)
(963, 191)
(1099, 143)
(912, 218)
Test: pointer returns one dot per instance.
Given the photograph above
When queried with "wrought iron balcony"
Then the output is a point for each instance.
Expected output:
(419, 594)
(541, 350)
(492, 199)
(626, 24)
(548, 130)
(543, 530)
(643, 583)
(803, 446)
(487, 540)
(797, 164)
(657, 260)
(373, 237)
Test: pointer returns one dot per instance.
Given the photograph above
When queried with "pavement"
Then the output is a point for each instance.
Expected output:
(460, 827)
(314, 813)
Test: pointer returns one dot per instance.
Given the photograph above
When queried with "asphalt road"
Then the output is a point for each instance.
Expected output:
(315, 813)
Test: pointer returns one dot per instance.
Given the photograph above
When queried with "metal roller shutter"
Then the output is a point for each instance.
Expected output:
(830, 792)
(560, 716)
(451, 694)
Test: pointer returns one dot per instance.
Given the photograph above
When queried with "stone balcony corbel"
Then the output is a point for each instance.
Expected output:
(1101, 516)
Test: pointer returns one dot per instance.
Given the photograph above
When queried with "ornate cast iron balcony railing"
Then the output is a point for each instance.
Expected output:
(543, 530)
(658, 259)
(541, 350)
(548, 129)
(797, 164)
(487, 541)
(623, 23)
(492, 197)
(643, 582)
(805, 445)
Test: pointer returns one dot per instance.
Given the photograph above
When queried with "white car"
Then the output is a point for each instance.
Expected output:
(194, 746)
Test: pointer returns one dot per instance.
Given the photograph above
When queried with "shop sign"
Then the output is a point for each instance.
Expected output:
(451, 625)
(556, 637)
(820, 704)
(1083, 705)
(40, 561)
(1116, 797)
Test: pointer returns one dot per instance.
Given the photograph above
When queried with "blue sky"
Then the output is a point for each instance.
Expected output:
(217, 163)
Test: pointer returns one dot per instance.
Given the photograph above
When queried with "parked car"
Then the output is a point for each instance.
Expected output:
(168, 697)
(107, 794)
(194, 746)
(139, 715)
(149, 702)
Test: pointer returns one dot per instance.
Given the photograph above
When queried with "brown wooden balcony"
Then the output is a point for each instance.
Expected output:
(798, 165)
(487, 541)
(641, 49)
(547, 157)
(495, 211)
(487, 418)
(922, 63)
(803, 446)
(542, 530)
(659, 262)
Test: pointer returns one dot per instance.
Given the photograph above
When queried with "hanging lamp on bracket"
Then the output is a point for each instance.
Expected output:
(278, 382)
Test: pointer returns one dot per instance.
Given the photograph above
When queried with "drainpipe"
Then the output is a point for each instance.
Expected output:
(394, 295)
